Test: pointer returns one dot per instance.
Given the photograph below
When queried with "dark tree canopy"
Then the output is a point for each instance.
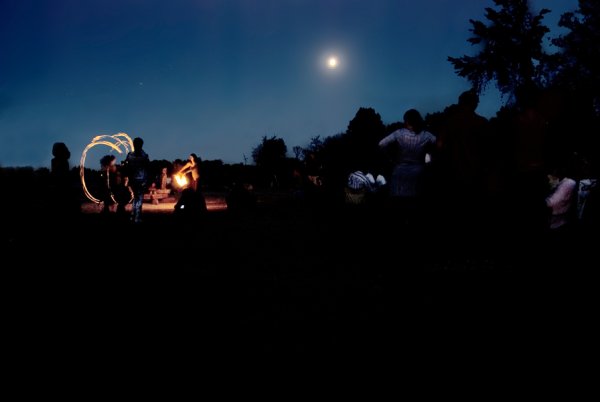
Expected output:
(511, 51)
(366, 125)
(356, 149)
(578, 63)
(364, 132)
(298, 152)
(270, 152)
(315, 145)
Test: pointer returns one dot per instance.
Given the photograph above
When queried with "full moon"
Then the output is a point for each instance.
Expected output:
(332, 62)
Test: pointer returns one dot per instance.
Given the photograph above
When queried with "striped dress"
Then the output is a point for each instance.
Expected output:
(408, 172)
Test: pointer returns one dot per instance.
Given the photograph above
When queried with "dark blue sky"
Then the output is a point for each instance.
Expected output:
(214, 76)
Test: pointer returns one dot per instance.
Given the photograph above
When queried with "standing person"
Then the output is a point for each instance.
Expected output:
(64, 195)
(60, 163)
(461, 165)
(193, 167)
(414, 143)
(137, 170)
(108, 169)
(163, 179)
(191, 198)
(122, 193)
(460, 144)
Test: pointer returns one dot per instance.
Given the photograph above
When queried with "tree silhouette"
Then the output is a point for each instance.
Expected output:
(316, 144)
(578, 63)
(269, 152)
(270, 158)
(366, 125)
(511, 52)
(365, 131)
(356, 149)
(298, 152)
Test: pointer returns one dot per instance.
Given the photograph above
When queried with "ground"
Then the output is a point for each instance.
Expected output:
(285, 275)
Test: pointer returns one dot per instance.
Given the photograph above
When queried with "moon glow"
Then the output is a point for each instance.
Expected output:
(332, 62)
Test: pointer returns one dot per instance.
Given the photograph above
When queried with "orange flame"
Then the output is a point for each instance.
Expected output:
(181, 180)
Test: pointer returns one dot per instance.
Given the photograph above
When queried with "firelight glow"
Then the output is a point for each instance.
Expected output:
(181, 180)
(332, 62)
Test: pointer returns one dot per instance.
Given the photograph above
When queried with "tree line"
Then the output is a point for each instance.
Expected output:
(558, 78)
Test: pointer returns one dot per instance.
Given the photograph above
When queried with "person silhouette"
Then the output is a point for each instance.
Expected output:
(561, 202)
(60, 163)
(460, 144)
(63, 194)
(108, 169)
(414, 143)
(163, 179)
(193, 167)
(137, 162)
(121, 192)
(461, 162)
(191, 202)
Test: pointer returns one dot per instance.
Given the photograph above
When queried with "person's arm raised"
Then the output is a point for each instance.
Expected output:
(387, 140)
(186, 168)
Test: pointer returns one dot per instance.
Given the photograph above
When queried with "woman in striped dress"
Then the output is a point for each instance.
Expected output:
(414, 143)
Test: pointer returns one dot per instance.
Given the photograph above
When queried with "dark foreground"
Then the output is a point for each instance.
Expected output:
(293, 278)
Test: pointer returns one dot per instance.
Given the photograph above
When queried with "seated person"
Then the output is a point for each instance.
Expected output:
(562, 199)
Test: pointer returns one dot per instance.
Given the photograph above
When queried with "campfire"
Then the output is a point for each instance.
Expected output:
(181, 180)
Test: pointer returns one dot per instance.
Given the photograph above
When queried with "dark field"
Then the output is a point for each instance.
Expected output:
(292, 276)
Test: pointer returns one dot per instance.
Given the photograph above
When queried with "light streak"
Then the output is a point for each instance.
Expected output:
(119, 142)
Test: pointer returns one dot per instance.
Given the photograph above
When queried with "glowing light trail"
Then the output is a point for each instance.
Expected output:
(120, 142)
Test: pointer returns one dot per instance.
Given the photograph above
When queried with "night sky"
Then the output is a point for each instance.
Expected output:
(214, 76)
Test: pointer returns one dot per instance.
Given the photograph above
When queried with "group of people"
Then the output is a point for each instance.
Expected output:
(461, 173)
(131, 182)
(122, 184)
(126, 184)
(455, 154)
